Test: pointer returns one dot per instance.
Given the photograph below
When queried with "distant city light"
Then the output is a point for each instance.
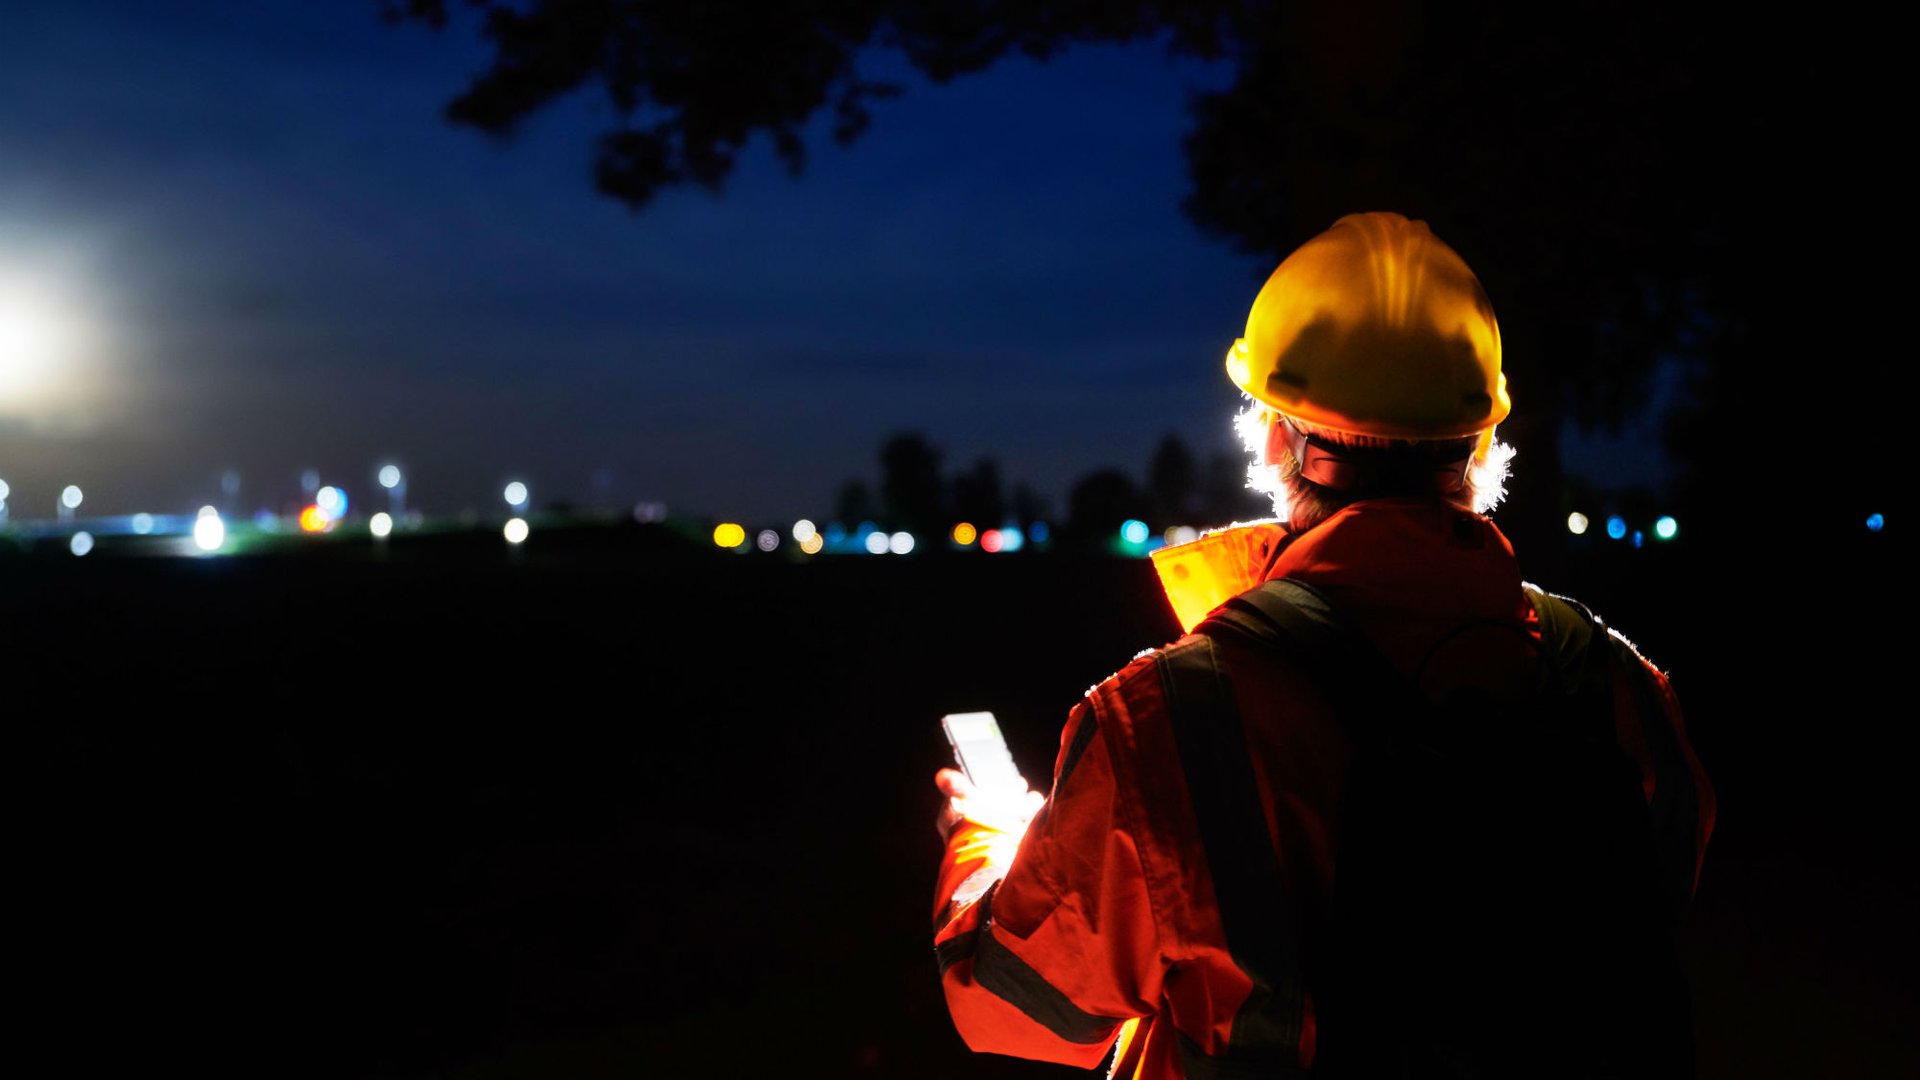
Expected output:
(515, 494)
(877, 543)
(142, 524)
(209, 532)
(1617, 527)
(647, 513)
(1577, 523)
(266, 521)
(331, 502)
(767, 540)
(991, 541)
(964, 533)
(729, 535)
(1639, 538)
(1038, 532)
(803, 531)
(380, 524)
(836, 532)
(900, 543)
(1012, 539)
(389, 476)
(1134, 531)
(515, 530)
(70, 497)
(812, 544)
(313, 520)
(309, 481)
(1666, 528)
(230, 483)
(81, 543)
(1875, 522)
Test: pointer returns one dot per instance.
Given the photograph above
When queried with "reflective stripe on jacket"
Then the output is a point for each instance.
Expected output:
(1105, 923)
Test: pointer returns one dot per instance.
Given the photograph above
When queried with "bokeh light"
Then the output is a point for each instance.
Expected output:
(142, 524)
(516, 530)
(877, 543)
(1134, 531)
(209, 532)
(1038, 532)
(1876, 522)
(81, 543)
(515, 494)
(1577, 523)
(4, 491)
(389, 476)
(729, 535)
(965, 534)
(767, 540)
(313, 520)
(331, 502)
(71, 496)
(803, 531)
(1666, 528)
(1617, 527)
(380, 524)
(991, 541)
(1012, 539)
(900, 543)
(813, 544)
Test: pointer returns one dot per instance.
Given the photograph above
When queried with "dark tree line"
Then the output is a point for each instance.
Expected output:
(914, 494)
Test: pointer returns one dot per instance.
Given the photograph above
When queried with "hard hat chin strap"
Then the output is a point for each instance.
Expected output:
(1438, 466)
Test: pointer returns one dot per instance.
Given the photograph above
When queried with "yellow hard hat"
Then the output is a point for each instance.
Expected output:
(1375, 327)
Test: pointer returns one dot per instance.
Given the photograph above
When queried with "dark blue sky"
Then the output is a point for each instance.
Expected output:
(279, 256)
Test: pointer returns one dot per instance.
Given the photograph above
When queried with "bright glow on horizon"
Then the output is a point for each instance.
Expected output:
(381, 524)
(39, 336)
(209, 532)
(1577, 523)
(516, 530)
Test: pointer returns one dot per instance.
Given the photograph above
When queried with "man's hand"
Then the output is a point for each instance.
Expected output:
(965, 803)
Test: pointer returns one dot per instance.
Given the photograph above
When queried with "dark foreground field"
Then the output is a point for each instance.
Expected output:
(616, 814)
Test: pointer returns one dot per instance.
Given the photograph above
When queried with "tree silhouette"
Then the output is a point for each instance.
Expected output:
(1099, 503)
(911, 493)
(977, 497)
(1173, 479)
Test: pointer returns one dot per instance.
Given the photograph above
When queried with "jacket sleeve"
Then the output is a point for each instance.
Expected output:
(1679, 796)
(1046, 942)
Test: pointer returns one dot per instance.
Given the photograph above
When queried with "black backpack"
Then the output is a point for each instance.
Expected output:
(1497, 909)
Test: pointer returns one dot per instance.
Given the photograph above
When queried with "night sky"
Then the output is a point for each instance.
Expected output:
(256, 245)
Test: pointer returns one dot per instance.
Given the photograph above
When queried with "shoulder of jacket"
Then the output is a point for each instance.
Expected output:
(1142, 673)
(1551, 605)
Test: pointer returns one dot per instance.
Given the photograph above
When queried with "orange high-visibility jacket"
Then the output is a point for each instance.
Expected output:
(1102, 923)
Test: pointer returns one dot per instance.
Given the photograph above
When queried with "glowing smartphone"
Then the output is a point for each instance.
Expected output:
(982, 754)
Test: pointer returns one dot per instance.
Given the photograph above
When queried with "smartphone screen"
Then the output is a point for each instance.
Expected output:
(982, 753)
